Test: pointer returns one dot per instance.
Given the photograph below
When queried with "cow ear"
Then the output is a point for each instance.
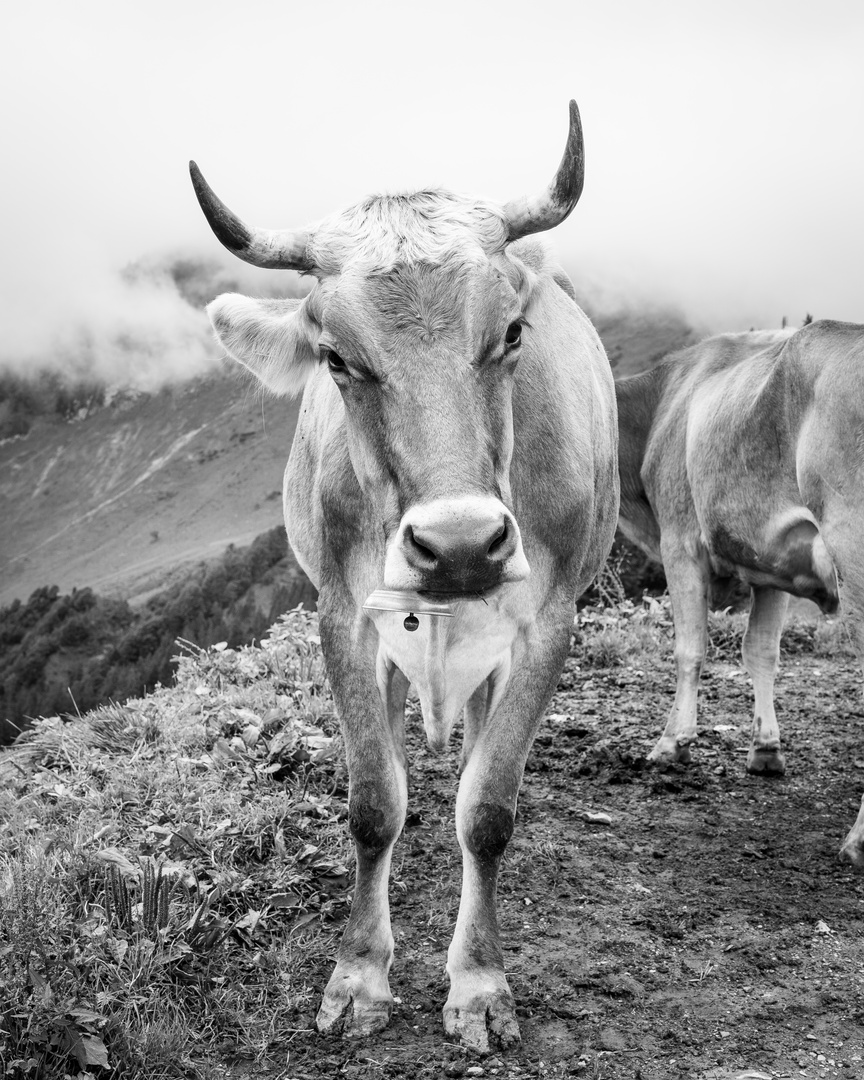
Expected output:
(274, 339)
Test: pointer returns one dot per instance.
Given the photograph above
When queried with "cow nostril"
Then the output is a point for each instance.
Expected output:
(498, 540)
(417, 547)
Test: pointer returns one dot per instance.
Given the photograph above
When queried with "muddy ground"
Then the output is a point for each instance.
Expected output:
(708, 931)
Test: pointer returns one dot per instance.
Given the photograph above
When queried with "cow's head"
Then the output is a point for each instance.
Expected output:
(419, 313)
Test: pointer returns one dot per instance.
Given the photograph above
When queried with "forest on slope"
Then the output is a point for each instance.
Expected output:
(70, 653)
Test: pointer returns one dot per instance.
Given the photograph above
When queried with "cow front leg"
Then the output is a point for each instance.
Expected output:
(760, 651)
(688, 590)
(473, 719)
(480, 1003)
(480, 1006)
(357, 1000)
(480, 706)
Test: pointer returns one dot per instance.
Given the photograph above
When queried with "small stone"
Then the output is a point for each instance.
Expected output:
(475, 1070)
(612, 1040)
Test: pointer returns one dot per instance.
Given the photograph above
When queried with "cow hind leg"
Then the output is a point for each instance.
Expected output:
(688, 590)
(357, 1000)
(760, 651)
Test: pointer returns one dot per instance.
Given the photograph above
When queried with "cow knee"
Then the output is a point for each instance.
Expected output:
(689, 657)
(374, 825)
(486, 830)
(760, 657)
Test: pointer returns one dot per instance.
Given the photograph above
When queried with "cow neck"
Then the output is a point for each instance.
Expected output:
(447, 659)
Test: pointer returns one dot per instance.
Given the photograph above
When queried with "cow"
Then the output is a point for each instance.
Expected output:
(451, 489)
(744, 456)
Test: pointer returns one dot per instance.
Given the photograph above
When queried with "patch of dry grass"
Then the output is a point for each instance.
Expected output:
(623, 633)
(164, 863)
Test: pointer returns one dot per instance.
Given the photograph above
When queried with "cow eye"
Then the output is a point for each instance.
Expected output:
(513, 337)
(334, 360)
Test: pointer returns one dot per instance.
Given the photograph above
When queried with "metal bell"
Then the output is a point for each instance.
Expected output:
(411, 622)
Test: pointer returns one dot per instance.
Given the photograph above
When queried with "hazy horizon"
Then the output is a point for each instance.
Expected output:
(724, 163)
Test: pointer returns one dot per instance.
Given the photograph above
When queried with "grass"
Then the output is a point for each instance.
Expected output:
(627, 632)
(165, 864)
(172, 870)
(618, 634)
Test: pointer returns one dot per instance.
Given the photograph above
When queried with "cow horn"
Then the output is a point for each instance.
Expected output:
(525, 216)
(281, 249)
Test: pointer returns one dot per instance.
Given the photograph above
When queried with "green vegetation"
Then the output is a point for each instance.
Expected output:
(61, 654)
(623, 631)
(153, 859)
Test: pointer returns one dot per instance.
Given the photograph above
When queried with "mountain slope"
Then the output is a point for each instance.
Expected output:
(140, 487)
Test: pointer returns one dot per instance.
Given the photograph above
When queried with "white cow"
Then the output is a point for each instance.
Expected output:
(452, 488)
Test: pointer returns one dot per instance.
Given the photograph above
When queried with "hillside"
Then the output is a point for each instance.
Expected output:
(636, 339)
(141, 486)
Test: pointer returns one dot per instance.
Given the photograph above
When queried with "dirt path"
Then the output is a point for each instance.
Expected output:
(707, 931)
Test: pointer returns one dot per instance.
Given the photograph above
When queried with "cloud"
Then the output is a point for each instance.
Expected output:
(139, 326)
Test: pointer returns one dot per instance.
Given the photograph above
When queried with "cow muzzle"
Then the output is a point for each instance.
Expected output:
(458, 546)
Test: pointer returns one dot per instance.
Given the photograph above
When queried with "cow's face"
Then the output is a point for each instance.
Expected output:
(418, 313)
(424, 357)
(423, 352)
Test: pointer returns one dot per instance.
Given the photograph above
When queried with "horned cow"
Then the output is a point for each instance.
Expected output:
(451, 489)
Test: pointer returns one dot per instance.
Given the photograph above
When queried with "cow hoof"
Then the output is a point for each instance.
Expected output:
(670, 752)
(484, 1019)
(346, 1010)
(762, 761)
(852, 852)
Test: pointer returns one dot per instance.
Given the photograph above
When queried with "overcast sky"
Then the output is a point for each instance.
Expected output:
(725, 150)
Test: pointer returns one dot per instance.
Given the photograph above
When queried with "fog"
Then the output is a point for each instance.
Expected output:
(141, 325)
(724, 158)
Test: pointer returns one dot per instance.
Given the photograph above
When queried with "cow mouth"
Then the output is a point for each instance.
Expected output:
(460, 594)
